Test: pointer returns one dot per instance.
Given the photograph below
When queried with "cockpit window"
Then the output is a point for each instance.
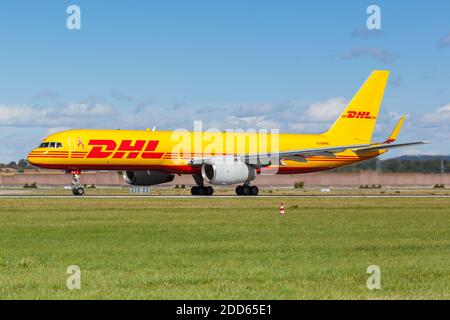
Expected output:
(50, 145)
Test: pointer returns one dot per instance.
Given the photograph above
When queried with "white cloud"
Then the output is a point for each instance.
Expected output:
(326, 110)
(256, 122)
(82, 110)
(71, 114)
(294, 117)
(444, 109)
(440, 116)
(53, 130)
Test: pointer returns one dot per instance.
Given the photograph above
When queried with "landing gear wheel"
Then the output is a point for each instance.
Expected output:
(202, 191)
(194, 191)
(254, 190)
(247, 190)
(78, 191)
(209, 191)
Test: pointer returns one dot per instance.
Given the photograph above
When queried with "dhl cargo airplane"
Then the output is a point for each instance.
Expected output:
(154, 157)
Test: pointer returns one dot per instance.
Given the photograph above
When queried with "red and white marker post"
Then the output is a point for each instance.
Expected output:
(282, 210)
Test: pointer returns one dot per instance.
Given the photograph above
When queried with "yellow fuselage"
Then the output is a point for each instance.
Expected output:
(170, 151)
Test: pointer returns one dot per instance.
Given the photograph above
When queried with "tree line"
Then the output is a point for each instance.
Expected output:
(430, 164)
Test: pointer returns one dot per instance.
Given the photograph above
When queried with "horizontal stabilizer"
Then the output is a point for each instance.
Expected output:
(384, 146)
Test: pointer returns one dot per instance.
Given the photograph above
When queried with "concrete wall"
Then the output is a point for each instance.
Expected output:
(46, 178)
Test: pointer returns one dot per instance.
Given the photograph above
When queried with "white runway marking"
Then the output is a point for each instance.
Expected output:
(213, 197)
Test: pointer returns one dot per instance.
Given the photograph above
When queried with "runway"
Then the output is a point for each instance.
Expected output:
(15, 196)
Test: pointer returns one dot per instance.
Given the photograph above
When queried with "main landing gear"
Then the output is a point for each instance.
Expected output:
(200, 189)
(77, 188)
(247, 190)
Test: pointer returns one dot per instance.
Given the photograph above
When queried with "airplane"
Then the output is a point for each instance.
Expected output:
(150, 157)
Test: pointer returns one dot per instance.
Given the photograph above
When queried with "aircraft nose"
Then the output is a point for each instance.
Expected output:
(32, 157)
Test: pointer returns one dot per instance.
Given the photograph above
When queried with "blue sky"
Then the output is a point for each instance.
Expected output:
(137, 64)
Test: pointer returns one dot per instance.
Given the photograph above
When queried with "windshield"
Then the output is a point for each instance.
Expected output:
(50, 145)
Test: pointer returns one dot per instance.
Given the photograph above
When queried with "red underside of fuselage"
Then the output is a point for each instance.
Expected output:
(177, 169)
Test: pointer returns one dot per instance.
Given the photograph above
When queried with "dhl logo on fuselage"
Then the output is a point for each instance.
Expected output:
(358, 115)
(106, 148)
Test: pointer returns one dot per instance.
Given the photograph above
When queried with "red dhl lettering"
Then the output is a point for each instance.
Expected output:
(358, 115)
(106, 148)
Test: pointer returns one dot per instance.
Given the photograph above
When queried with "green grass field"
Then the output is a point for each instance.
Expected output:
(237, 248)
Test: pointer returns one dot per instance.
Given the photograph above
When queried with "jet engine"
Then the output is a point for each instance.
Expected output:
(146, 178)
(228, 172)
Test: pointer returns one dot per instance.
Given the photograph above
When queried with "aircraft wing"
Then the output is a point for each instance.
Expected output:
(294, 155)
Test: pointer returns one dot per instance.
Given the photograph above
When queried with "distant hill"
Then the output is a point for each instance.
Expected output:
(422, 158)
(416, 163)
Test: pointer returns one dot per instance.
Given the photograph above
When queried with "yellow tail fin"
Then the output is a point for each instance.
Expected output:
(357, 122)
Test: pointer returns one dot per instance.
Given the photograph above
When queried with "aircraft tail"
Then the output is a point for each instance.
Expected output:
(357, 122)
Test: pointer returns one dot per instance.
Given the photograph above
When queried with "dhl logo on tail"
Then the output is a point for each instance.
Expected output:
(358, 115)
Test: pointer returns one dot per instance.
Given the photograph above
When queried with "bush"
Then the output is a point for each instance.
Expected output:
(299, 185)
(92, 186)
(439, 186)
(183, 186)
(374, 186)
(30, 186)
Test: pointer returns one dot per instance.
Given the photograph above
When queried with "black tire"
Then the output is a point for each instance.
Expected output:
(78, 191)
(194, 191)
(239, 190)
(201, 191)
(254, 190)
(209, 190)
(247, 190)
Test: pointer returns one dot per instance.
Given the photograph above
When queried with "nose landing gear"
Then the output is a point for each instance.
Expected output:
(77, 188)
